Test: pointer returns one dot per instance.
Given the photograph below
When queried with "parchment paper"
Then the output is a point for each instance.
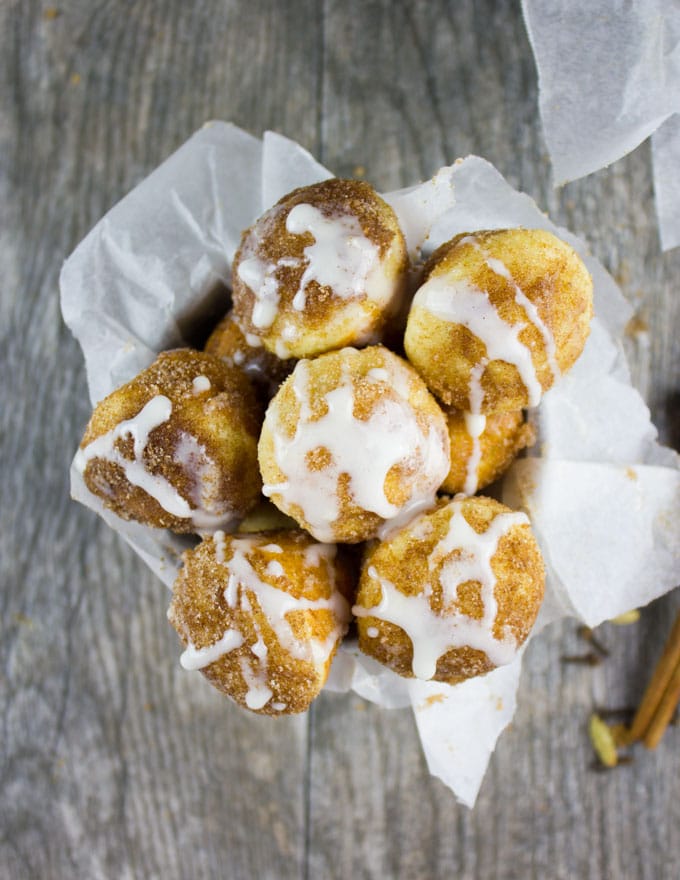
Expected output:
(609, 77)
(603, 496)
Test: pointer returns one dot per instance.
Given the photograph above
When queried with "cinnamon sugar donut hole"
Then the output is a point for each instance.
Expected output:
(453, 594)
(176, 447)
(500, 315)
(263, 368)
(262, 615)
(483, 448)
(324, 268)
(351, 440)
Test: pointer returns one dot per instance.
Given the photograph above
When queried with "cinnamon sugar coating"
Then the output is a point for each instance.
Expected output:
(263, 368)
(499, 316)
(504, 436)
(322, 269)
(176, 446)
(352, 439)
(465, 583)
(283, 602)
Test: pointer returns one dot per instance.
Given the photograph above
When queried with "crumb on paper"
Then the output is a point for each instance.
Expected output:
(50, 13)
(631, 473)
(74, 79)
(359, 171)
(499, 704)
(432, 700)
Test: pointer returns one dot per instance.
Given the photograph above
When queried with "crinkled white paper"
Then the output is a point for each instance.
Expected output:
(603, 496)
(609, 76)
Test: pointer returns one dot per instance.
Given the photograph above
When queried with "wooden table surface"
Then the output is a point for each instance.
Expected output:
(116, 763)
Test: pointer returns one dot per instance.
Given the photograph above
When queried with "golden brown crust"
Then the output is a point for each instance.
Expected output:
(228, 343)
(327, 322)
(505, 435)
(205, 450)
(324, 375)
(408, 560)
(212, 595)
(547, 271)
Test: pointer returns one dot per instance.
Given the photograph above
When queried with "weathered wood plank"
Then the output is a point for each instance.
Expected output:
(115, 762)
(406, 89)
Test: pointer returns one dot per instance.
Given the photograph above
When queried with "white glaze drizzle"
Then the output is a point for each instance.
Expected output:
(474, 425)
(209, 511)
(255, 677)
(461, 556)
(499, 268)
(220, 546)
(317, 555)
(341, 256)
(365, 450)
(531, 312)
(260, 277)
(200, 384)
(378, 374)
(408, 513)
(462, 303)
(194, 459)
(198, 658)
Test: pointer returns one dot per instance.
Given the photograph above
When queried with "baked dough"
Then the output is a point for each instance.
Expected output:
(263, 368)
(324, 268)
(262, 615)
(483, 448)
(500, 316)
(351, 440)
(176, 447)
(453, 594)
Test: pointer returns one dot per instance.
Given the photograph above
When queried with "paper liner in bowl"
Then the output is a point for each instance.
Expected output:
(603, 496)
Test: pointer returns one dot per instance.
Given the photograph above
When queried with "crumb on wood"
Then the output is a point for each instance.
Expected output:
(636, 326)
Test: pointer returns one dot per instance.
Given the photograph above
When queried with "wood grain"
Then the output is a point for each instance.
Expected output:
(115, 763)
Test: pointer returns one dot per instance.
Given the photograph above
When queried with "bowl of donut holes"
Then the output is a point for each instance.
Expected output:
(328, 447)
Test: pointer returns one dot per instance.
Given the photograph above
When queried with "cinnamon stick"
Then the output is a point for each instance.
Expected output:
(662, 694)
(664, 712)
